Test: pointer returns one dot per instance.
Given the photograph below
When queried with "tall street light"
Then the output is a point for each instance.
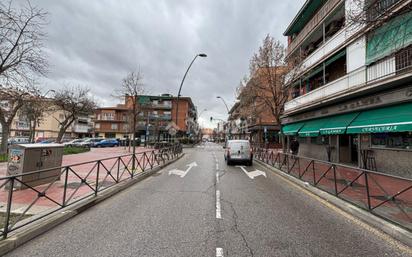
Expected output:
(183, 80)
(223, 100)
(202, 112)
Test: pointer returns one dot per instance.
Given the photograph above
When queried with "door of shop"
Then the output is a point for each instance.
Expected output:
(348, 149)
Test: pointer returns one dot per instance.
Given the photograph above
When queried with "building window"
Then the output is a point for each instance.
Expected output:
(402, 140)
(61, 116)
(109, 135)
(108, 116)
(97, 125)
(114, 126)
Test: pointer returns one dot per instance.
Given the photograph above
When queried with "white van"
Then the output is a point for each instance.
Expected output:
(238, 151)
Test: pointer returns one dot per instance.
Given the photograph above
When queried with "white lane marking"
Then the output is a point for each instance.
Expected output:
(217, 166)
(182, 173)
(217, 177)
(252, 174)
(218, 211)
(219, 252)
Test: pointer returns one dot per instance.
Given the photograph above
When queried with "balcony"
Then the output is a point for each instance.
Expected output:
(352, 80)
(81, 128)
(162, 106)
(316, 20)
(332, 45)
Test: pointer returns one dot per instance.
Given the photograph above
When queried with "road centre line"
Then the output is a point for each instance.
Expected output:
(218, 209)
(219, 252)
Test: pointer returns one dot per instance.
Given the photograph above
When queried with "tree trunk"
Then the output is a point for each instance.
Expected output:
(32, 131)
(4, 138)
(63, 129)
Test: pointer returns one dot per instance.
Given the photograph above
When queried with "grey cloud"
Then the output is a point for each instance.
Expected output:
(96, 43)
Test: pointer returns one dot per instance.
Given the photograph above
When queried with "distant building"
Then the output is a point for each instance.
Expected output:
(251, 117)
(49, 126)
(351, 99)
(156, 119)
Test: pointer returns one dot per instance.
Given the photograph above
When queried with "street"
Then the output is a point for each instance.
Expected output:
(199, 206)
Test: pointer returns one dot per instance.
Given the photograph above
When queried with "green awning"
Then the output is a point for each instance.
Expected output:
(396, 118)
(335, 57)
(312, 128)
(390, 37)
(337, 125)
(292, 129)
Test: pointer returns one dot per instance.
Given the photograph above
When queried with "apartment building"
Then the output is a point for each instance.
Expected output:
(49, 126)
(156, 119)
(350, 91)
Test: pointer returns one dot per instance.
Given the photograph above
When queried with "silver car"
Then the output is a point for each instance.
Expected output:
(238, 151)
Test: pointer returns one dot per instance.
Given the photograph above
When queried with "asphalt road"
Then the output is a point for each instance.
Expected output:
(204, 214)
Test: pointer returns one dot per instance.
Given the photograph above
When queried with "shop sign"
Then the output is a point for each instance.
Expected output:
(379, 129)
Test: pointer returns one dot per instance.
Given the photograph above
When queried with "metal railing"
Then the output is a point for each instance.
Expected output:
(387, 196)
(26, 202)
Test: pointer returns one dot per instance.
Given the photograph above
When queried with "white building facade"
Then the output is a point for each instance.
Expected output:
(351, 90)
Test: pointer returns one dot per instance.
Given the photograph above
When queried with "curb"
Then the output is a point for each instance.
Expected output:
(396, 232)
(43, 225)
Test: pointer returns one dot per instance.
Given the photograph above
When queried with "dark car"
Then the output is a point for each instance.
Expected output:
(107, 143)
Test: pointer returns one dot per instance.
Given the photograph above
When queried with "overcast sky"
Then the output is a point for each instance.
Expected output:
(95, 43)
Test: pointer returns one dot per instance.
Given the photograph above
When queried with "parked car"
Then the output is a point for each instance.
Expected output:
(18, 140)
(72, 143)
(47, 141)
(90, 142)
(107, 143)
(238, 151)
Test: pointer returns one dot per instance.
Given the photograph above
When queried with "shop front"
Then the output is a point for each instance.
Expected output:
(377, 139)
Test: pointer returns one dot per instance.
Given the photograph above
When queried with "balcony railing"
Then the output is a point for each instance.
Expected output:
(81, 128)
(352, 80)
(316, 20)
(162, 106)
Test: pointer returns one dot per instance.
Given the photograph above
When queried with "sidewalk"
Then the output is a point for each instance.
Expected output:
(351, 186)
(22, 199)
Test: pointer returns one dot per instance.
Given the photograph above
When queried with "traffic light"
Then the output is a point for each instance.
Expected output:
(211, 119)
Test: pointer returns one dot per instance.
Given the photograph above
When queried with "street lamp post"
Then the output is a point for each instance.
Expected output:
(183, 80)
(223, 100)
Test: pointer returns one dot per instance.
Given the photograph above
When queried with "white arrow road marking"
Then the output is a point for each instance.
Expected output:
(252, 174)
(182, 173)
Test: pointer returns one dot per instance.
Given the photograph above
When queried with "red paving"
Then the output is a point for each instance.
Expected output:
(54, 192)
(351, 186)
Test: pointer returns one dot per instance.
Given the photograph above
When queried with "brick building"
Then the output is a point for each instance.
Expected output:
(250, 117)
(156, 120)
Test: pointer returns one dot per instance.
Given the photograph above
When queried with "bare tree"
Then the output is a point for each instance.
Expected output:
(12, 99)
(34, 111)
(132, 87)
(74, 102)
(21, 59)
(267, 77)
(374, 12)
(21, 43)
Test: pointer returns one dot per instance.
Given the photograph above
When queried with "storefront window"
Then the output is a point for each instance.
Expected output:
(302, 140)
(316, 140)
(401, 140)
